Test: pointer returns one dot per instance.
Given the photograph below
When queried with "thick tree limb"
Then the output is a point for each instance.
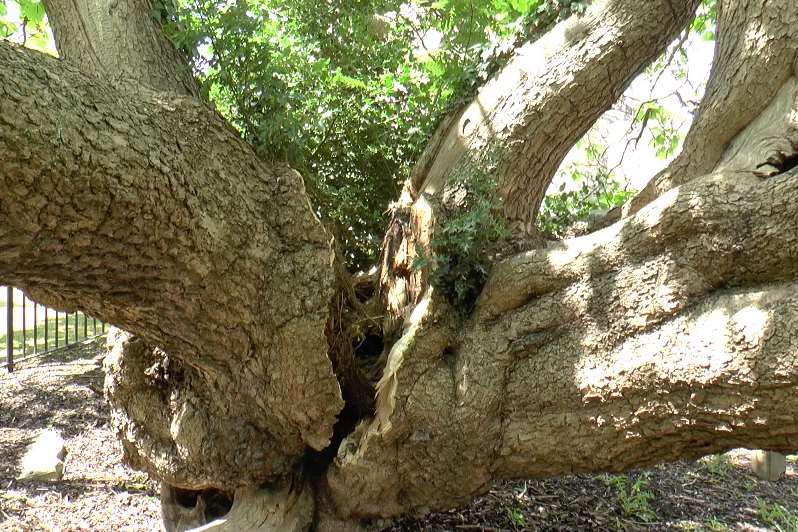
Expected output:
(525, 120)
(756, 53)
(671, 334)
(120, 42)
(149, 212)
(522, 124)
(152, 214)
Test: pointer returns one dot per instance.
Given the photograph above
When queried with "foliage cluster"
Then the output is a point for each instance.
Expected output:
(469, 223)
(717, 465)
(517, 518)
(29, 28)
(634, 498)
(777, 517)
(597, 190)
(348, 92)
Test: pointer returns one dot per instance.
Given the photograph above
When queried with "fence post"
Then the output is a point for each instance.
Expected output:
(10, 328)
(24, 326)
(35, 329)
(46, 327)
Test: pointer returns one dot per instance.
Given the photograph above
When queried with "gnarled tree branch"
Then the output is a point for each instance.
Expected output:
(669, 334)
(547, 97)
(756, 53)
(152, 214)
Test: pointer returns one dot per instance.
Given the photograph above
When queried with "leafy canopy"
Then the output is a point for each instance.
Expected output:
(348, 91)
(24, 21)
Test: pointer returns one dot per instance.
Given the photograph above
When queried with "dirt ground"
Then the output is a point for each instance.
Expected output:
(98, 492)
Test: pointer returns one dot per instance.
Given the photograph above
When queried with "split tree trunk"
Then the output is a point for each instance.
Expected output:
(669, 334)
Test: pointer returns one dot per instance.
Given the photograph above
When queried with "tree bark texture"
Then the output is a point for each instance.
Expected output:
(522, 123)
(610, 315)
(756, 54)
(152, 214)
(528, 116)
(669, 334)
(121, 42)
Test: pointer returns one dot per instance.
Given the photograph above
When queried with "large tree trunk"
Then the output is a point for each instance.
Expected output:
(121, 42)
(668, 334)
(155, 216)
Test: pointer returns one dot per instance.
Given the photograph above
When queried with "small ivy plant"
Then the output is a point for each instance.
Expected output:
(469, 224)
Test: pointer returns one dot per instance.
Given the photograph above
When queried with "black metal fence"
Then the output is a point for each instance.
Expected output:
(32, 329)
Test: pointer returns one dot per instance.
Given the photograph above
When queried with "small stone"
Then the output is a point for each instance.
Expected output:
(44, 459)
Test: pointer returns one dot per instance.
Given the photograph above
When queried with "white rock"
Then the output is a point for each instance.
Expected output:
(44, 459)
(768, 465)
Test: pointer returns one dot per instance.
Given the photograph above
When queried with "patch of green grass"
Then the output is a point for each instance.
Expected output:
(714, 524)
(717, 465)
(635, 499)
(777, 517)
(58, 331)
(517, 517)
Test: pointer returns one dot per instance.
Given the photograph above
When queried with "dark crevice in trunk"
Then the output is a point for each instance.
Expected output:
(184, 509)
(778, 163)
(356, 349)
(789, 162)
(316, 462)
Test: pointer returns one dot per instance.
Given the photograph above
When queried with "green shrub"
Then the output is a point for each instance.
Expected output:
(470, 223)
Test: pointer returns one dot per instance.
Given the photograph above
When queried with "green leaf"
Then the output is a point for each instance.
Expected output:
(32, 11)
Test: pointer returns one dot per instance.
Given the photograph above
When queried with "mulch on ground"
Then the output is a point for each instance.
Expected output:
(98, 492)
(64, 391)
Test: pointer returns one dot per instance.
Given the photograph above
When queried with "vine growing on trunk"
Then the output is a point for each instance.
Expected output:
(468, 230)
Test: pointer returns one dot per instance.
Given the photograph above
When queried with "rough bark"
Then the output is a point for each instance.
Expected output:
(152, 214)
(528, 116)
(522, 123)
(756, 54)
(564, 340)
(669, 334)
